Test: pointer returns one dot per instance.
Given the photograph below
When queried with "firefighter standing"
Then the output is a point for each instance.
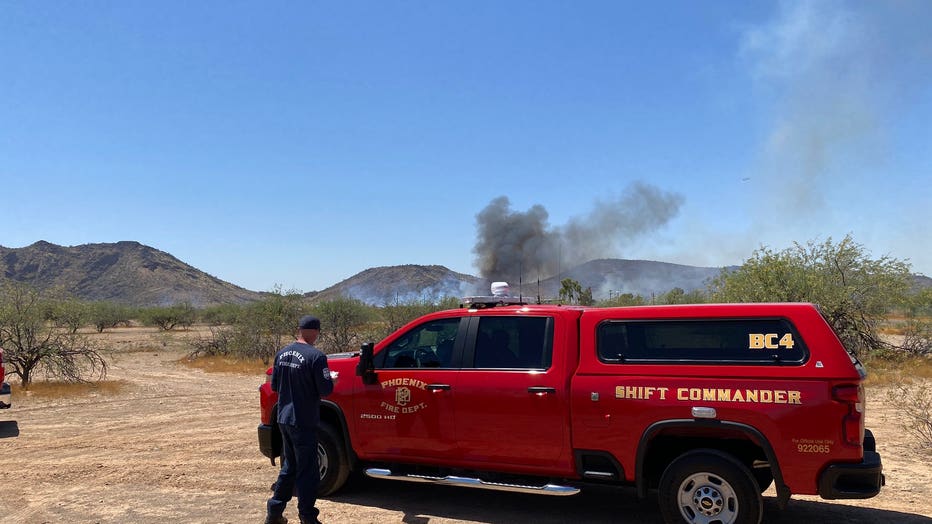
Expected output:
(301, 377)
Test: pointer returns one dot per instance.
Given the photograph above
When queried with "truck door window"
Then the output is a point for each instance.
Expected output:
(513, 343)
(429, 345)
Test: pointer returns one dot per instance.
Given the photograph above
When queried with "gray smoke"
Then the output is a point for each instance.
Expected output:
(835, 71)
(512, 244)
(820, 57)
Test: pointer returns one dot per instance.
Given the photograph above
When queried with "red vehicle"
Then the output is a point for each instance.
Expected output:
(707, 404)
(6, 397)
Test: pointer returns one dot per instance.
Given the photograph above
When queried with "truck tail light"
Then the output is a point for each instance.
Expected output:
(852, 424)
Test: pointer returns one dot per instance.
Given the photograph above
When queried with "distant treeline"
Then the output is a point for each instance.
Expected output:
(858, 295)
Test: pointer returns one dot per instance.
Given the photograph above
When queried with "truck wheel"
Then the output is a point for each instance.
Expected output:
(708, 486)
(332, 460)
(764, 478)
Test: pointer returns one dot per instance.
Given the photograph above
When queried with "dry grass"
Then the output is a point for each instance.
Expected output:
(891, 330)
(896, 324)
(57, 390)
(888, 371)
(136, 339)
(220, 364)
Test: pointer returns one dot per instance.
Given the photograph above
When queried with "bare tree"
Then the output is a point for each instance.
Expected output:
(33, 345)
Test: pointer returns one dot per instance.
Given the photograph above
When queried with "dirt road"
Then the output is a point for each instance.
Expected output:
(179, 445)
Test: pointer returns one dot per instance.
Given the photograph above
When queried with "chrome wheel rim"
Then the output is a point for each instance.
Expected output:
(323, 462)
(705, 498)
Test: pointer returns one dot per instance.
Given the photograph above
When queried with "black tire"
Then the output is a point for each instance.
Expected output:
(333, 462)
(764, 478)
(708, 486)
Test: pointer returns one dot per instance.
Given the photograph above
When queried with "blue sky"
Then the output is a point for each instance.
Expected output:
(298, 143)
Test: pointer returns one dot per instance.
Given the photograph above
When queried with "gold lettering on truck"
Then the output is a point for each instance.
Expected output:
(753, 396)
(404, 401)
(641, 392)
(769, 341)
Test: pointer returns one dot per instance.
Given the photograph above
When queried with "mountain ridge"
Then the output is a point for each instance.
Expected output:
(132, 273)
(125, 272)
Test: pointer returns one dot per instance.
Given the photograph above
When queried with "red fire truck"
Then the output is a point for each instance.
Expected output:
(706, 404)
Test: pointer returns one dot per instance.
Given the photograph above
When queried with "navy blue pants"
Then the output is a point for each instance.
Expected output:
(300, 473)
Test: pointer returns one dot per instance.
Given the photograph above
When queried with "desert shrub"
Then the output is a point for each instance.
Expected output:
(372, 332)
(678, 295)
(623, 299)
(917, 337)
(107, 315)
(854, 291)
(398, 313)
(168, 318)
(917, 330)
(220, 342)
(913, 401)
(266, 326)
(70, 313)
(32, 345)
(254, 331)
(223, 314)
(342, 321)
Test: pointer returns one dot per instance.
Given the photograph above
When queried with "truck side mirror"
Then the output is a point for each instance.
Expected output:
(366, 366)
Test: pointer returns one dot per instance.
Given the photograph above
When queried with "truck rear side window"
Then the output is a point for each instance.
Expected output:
(701, 341)
(513, 343)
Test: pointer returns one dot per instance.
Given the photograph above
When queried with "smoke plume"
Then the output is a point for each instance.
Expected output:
(512, 244)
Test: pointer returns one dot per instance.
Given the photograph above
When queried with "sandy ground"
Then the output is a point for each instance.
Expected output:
(179, 445)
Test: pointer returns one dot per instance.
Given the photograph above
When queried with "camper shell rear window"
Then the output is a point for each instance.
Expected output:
(771, 341)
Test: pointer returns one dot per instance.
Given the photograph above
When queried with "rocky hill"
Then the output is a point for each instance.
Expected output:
(921, 282)
(385, 285)
(123, 272)
(135, 274)
(399, 284)
(614, 276)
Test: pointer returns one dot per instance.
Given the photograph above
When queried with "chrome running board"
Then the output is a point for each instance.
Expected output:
(548, 489)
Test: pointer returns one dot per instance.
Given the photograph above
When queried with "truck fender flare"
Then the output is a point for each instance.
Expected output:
(783, 491)
(333, 407)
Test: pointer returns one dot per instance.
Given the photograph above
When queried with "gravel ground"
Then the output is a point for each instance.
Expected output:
(179, 445)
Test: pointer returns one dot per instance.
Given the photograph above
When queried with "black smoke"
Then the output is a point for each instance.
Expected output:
(512, 244)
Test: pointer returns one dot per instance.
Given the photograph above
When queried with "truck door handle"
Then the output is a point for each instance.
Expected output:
(541, 391)
(438, 387)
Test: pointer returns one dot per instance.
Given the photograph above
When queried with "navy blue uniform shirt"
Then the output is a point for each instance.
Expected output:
(301, 377)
